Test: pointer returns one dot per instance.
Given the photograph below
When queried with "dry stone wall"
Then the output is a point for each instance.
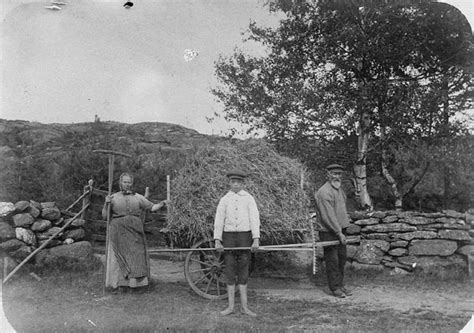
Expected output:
(407, 241)
(27, 225)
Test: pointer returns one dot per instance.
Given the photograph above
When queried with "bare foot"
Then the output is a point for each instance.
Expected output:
(227, 311)
(248, 312)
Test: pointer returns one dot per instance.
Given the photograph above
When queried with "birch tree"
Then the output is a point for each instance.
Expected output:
(338, 70)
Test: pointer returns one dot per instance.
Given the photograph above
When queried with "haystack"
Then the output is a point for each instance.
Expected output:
(274, 181)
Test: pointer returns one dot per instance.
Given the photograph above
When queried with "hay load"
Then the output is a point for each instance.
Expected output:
(274, 181)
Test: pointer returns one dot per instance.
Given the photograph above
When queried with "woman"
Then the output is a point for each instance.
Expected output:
(127, 260)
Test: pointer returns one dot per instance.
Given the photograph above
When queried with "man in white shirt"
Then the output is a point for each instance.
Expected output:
(237, 224)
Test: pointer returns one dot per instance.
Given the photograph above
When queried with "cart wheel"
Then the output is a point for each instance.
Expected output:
(204, 271)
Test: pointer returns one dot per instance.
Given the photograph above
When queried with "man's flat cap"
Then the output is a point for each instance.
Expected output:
(335, 167)
(236, 174)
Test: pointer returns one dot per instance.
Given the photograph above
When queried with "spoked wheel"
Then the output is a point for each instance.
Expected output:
(204, 271)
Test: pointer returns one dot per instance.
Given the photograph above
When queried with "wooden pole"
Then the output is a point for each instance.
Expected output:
(109, 216)
(285, 247)
(44, 244)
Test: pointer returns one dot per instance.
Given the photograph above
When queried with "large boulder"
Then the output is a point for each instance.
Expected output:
(23, 220)
(6, 231)
(75, 256)
(432, 247)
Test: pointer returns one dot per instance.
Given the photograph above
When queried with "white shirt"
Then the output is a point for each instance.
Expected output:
(237, 212)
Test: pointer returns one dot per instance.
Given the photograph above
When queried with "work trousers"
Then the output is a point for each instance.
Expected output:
(236, 262)
(335, 257)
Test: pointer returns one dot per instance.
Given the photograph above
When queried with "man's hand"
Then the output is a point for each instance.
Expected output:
(255, 244)
(218, 245)
(342, 238)
(108, 199)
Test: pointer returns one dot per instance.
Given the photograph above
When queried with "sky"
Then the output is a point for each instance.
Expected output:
(95, 57)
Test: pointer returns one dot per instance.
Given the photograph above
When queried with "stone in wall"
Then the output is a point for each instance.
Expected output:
(416, 220)
(11, 245)
(466, 250)
(76, 222)
(358, 215)
(398, 243)
(392, 227)
(408, 236)
(22, 252)
(378, 235)
(26, 235)
(390, 219)
(454, 234)
(41, 225)
(370, 221)
(76, 234)
(49, 204)
(6, 231)
(398, 252)
(371, 251)
(48, 233)
(23, 220)
(378, 214)
(353, 229)
(453, 214)
(432, 247)
(6, 208)
(33, 211)
(51, 243)
(351, 251)
(51, 213)
(21, 206)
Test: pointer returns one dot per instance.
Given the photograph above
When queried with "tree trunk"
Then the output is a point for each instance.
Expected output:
(393, 184)
(360, 171)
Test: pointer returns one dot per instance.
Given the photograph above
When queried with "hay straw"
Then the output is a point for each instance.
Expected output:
(273, 180)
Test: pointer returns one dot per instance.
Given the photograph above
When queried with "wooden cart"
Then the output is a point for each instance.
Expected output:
(203, 265)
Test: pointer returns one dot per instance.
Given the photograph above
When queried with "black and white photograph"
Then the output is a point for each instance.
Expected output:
(237, 166)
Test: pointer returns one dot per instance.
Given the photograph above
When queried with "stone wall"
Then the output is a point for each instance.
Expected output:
(27, 225)
(406, 241)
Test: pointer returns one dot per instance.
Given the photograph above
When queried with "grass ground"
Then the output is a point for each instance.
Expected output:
(74, 302)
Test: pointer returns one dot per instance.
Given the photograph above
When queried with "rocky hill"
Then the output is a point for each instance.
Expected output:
(54, 161)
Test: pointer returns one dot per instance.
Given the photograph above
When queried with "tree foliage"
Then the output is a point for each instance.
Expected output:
(397, 70)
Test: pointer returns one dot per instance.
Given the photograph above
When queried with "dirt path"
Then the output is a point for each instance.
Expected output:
(369, 296)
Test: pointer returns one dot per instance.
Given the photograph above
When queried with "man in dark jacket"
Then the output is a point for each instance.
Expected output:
(333, 221)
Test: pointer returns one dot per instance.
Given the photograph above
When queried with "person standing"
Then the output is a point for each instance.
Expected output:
(127, 261)
(333, 221)
(237, 224)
